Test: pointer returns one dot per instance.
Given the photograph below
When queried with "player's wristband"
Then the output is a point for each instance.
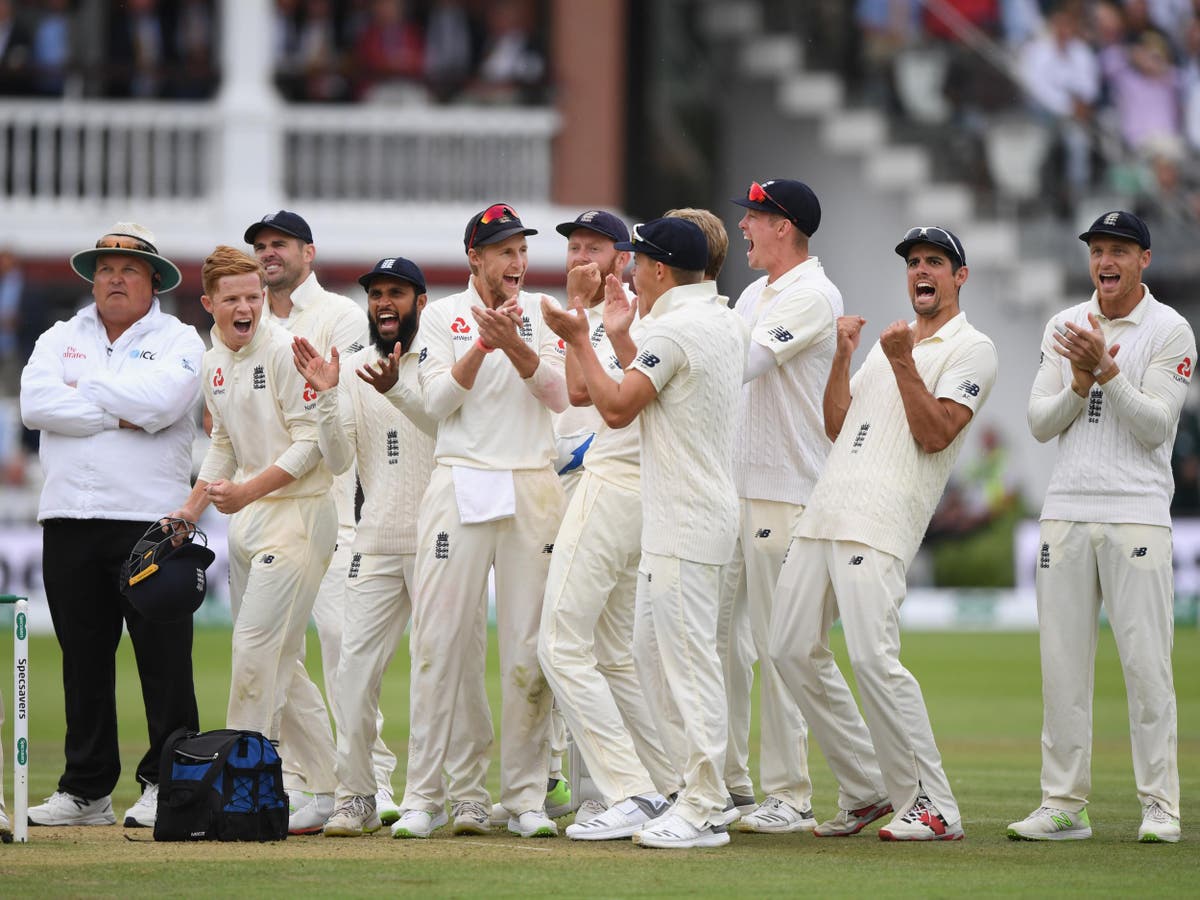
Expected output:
(482, 346)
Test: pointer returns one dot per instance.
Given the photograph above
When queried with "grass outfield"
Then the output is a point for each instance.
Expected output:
(984, 697)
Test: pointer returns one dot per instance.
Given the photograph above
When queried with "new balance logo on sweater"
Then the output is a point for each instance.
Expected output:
(781, 334)
(763, 533)
(970, 388)
(1137, 552)
(861, 437)
(647, 359)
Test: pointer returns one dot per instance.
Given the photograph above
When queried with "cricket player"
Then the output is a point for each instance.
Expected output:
(735, 645)
(491, 374)
(264, 470)
(283, 243)
(585, 644)
(1112, 381)
(897, 427)
(378, 421)
(779, 453)
(683, 386)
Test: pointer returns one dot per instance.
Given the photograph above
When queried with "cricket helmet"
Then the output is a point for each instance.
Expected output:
(164, 577)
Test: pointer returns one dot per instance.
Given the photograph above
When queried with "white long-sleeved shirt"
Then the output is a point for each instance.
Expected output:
(616, 453)
(503, 421)
(329, 320)
(781, 444)
(879, 487)
(1114, 446)
(263, 414)
(693, 350)
(149, 376)
(391, 440)
(1055, 76)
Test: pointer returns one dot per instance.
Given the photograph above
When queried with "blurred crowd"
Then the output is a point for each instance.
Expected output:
(1114, 83)
(324, 50)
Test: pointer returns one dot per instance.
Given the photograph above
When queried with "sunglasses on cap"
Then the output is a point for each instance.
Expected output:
(637, 238)
(934, 235)
(493, 213)
(125, 242)
(758, 194)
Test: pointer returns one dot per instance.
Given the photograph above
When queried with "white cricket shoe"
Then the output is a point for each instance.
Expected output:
(851, 821)
(144, 813)
(620, 820)
(588, 810)
(921, 822)
(416, 823)
(470, 817)
(353, 817)
(386, 806)
(1048, 823)
(776, 816)
(308, 812)
(1158, 825)
(62, 808)
(673, 832)
(533, 823)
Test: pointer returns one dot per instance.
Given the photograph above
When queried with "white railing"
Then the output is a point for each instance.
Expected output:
(381, 154)
(64, 153)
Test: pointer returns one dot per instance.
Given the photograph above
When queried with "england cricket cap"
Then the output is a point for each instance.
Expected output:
(496, 223)
(936, 235)
(599, 221)
(794, 200)
(128, 239)
(286, 221)
(1120, 224)
(677, 242)
(396, 267)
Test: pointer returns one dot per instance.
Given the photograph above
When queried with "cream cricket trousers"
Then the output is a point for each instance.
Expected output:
(675, 648)
(1128, 569)
(278, 551)
(819, 580)
(586, 642)
(735, 649)
(766, 529)
(449, 614)
(378, 608)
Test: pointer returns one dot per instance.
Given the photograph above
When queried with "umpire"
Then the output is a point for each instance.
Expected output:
(112, 390)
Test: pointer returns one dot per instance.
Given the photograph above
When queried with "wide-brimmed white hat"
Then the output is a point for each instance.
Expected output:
(128, 239)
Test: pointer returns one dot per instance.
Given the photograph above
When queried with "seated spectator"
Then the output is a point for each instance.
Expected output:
(390, 48)
(319, 55)
(285, 47)
(52, 48)
(194, 43)
(1061, 78)
(514, 66)
(137, 50)
(1144, 88)
(15, 52)
(452, 42)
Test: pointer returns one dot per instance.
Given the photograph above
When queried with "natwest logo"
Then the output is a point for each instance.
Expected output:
(310, 393)
(1185, 367)
(460, 326)
(218, 377)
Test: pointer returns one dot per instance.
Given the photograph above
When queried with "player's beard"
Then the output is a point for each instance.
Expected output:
(404, 335)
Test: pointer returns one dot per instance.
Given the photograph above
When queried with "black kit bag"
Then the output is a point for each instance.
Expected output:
(223, 785)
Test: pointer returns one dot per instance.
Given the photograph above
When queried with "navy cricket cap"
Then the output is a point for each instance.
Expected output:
(677, 242)
(1120, 224)
(496, 223)
(599, 221)
(396, 267)
(286, 221)
(794, 200)
(936, 235)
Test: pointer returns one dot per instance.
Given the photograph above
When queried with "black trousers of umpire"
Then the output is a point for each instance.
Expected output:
(81, 567)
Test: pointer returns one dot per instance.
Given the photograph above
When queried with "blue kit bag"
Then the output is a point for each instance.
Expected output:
(223, 785)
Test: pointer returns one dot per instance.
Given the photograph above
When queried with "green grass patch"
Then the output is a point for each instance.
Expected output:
(983, 692)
